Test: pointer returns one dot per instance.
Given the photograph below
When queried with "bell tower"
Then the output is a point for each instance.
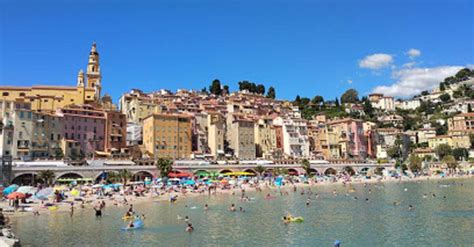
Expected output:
(93, 72)
(80, 78)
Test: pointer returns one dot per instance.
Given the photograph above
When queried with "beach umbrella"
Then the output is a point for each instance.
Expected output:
(179, 175)
(239, 174)
(26, 189)
(10, 189)
(75, 192)
(190, 182)
(224, 181)
(45, 192)
(16, 195)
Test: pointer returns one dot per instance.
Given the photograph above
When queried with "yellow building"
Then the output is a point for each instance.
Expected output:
(168, 135)
(265, 137)
(50, 98)
(433, 142)
(137, 105)
(216, 133)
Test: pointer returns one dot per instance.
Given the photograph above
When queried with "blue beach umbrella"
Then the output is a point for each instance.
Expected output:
(10, 189)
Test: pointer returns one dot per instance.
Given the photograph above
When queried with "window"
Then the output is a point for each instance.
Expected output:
(5, 94)
(22, 94)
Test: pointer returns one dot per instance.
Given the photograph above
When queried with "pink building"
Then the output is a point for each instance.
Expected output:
(351, 137)
(85, 125)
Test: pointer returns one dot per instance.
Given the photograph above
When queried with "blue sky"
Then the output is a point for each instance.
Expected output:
(299, 47)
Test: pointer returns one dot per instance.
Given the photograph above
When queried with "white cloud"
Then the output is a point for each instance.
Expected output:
(409, 65)
(412, 53)
(411, 81)
(349, 81)
(376, 61)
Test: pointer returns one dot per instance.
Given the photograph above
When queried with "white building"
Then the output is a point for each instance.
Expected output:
(382, 102)
(134, 134)
(408, 104)
(295, 136)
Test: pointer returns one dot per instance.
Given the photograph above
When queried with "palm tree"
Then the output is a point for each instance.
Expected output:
(306, 167)
(113, 177)
(47, 176)
(124, 175)
(450, 162)
(165, 166)
(259, 169)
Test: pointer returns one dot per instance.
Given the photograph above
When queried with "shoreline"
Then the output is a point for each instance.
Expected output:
(112, 203)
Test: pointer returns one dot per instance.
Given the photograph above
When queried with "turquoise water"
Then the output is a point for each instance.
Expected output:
(433, 222)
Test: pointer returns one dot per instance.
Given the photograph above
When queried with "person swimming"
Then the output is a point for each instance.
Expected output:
(242, 209)
(130, 224)
(206, 207)
(190, 227)
(232, 208)
(286, 220)
(186, 219)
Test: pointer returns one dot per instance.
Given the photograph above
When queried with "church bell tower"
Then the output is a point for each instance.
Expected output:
(93, 72)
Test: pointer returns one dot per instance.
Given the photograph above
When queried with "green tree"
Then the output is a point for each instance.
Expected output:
(415, 163)
(204, 90)
(350, 96)
(317, 101)
(47, 176)
(395, 151)
(58, 153)
(460, 153)
(368, 108)
(215, 87)
(124, 175)
(165, 166)
(226, 89)
(259, 169)
(442, 87)
(463, 74)
(297, 100)
(443, 150)
(271, 93)
(450, 162)
(337, 102)
(306, 166)
(445, 97)
(260, 89)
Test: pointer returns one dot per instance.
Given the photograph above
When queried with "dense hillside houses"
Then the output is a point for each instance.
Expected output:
(77, 122)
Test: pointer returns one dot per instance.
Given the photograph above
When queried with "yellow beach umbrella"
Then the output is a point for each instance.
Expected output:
(75, 192)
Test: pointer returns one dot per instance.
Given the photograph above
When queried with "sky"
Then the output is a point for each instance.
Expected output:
(304, 48)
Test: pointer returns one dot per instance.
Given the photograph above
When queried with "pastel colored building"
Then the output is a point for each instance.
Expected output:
(168, 135)
(86, 125)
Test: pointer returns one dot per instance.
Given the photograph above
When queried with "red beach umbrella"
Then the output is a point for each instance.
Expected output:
(16, 195)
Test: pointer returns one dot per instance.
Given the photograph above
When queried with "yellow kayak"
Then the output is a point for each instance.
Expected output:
(53, 208)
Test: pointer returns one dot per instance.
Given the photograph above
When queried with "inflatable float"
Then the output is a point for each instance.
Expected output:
(295, 219)
(131, 217)
(137, 224)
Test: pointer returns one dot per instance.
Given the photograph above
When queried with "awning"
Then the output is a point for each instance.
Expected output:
(102, 153)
